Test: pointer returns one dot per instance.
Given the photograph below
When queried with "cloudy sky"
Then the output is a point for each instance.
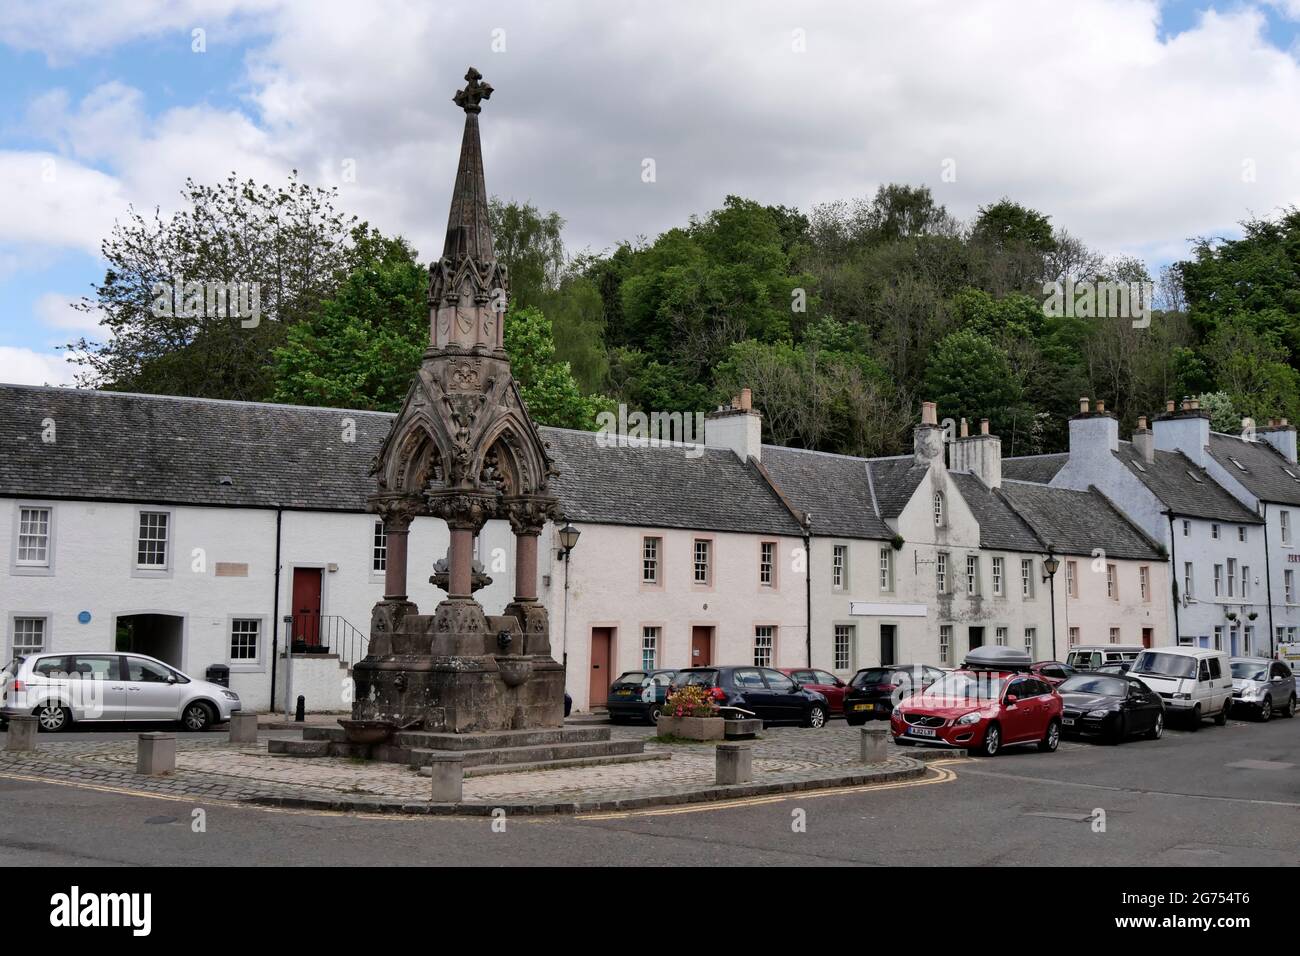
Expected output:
(1134, 124)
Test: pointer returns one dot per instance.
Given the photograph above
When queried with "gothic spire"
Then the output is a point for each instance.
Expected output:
(468, 231)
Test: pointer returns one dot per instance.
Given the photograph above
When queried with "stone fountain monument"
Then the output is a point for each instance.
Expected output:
(462, 449)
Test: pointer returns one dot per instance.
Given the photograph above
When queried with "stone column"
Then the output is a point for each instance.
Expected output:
(526, 566)
(397, 527)
(460, 571)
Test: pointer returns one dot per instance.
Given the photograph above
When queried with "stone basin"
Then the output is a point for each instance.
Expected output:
(514, 670)
(367, 731)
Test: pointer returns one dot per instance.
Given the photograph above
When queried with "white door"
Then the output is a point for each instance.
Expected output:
(151, 691)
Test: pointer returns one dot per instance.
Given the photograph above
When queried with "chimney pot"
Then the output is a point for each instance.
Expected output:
(1101, 405)
(984, 426)
(1142, 422)
(1169, 404)
(746, 399)
(1083, 405)
(929, 414)
(1282, 422)
(965, 430)
(1187, 404)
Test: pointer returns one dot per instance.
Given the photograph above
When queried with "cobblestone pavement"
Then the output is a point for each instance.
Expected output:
(216, 769)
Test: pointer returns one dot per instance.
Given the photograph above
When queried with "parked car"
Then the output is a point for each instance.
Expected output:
(1264, 686)
(873, 690)
(763, 691)
(638, 695)
(824, 682)
(1193, 682)
(1052, 671)
(1120, 668)
(1111, 706)
(991, 702)
(1088, 657)
(62, 689)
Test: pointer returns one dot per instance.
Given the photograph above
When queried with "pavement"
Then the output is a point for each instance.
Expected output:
(1221, 796)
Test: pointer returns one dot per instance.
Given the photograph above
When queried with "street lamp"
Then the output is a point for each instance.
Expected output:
(568, 536)
(1051, 564)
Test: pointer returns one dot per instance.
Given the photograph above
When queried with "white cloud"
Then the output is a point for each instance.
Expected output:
(55, 201)
(26, 367)
(55, 311)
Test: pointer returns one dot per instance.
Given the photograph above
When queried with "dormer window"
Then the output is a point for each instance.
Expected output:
(938, 509)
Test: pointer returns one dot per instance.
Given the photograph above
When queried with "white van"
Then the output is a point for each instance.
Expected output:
(1194, 682)
(1086, 657)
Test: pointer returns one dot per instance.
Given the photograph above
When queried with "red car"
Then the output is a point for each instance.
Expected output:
(824, 682)
(1052, 671)
(994, 701)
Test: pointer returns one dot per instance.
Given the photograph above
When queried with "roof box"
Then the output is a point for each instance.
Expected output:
(997, 659)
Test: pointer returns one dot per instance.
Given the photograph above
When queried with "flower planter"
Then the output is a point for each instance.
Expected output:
(692, 728)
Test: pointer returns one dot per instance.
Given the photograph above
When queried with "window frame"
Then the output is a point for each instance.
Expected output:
(651, 642)
(886, 569)
(243, 665)
(167, 569)
(766, 566)
(27, 568)
(849, 635)
(11, 632)
(709, 559)
(839, 567)
(656, 562)
(378, 550)
(771, 645)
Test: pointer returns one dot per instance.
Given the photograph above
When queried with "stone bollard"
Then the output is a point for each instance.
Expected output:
(156, 754)
(735, 764)
(447, 771)
(875, 744)
(243, 728)
(22, 733)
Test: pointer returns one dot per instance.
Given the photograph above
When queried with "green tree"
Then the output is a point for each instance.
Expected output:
(546, 383)
(288, 242)
(361, 350)
(970, 377)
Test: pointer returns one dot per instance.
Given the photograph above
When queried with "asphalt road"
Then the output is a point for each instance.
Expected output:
(1224, 795)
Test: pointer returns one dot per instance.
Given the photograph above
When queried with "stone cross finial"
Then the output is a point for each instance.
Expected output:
(474, 91)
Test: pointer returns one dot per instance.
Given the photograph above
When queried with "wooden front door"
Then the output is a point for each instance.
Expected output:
(701, 647)
(886, 645)
(1146, 636)
(306, 605)
(602, 639)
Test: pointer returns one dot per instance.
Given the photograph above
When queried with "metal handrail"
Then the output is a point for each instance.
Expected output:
(328, 634)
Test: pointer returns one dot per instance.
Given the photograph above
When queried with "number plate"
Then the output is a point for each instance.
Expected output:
(921, 731)
(1067, 721)
(864, 706)
(625, 693)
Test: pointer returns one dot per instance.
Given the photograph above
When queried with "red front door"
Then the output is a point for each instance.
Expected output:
(601, 639)
(306, 605)
(701, 647)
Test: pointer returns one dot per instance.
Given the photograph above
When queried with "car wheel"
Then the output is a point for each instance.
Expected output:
(1266, 709)
(653, 713)
(197, 717)
(1195, 719)
(1221, 717)
(992, 742)
(1158, 728)
(1289, 710)
(816, 717)
(1052, 740)
(855, 721)
(53, 717)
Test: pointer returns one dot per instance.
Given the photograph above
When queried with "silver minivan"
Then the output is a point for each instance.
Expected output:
(1193, 682)
(67, 688)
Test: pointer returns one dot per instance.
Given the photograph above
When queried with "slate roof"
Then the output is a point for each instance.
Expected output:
(895, 481)
(1000, 527)
(834, 489)
(1265, 473)
(1170, 478)
(117, 446)
(1039, 468)
(1076, 522)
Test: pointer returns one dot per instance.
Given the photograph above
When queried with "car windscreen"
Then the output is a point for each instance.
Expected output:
(1248, 670)
(1091, 684)
(632, 677)
(1083, 659)
(696, 679)
(871, 676)
(967, 686)
(1156, 664)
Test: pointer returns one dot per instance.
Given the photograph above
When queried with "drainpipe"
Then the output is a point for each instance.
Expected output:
(1173, 570)
(807, 553)
(275, 608)
(1268, 585)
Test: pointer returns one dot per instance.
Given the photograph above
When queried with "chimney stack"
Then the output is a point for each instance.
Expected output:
(1187, 430)
(927, 439)
(1144, 441)
(980, 454)
(1281, 436)
(1093, 433)
(737, 426)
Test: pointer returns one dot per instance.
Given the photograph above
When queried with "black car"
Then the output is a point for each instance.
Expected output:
(873, 690)
(763, 691)
(1119, 668)
(638, 695)
(1112, 706)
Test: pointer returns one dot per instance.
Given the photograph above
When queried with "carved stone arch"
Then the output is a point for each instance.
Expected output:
(416, 457)
(518, 455)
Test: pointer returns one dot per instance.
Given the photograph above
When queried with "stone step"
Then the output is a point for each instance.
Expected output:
(299, 748)
(537, 753)
(487, 770)
(496, 739)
